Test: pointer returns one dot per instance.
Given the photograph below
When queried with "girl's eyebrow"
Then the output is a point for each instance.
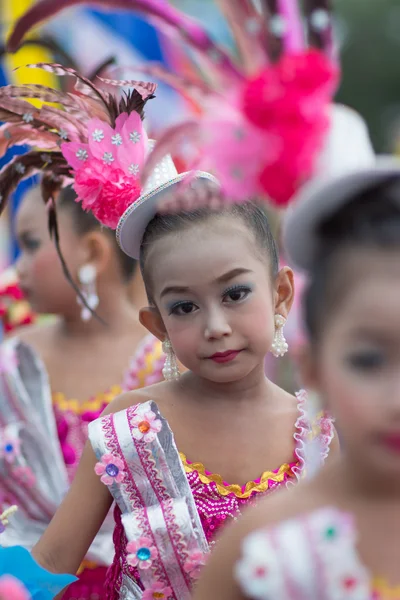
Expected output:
(179, 289)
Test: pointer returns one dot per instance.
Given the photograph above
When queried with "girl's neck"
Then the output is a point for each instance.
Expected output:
(117, 316)
(252, 389)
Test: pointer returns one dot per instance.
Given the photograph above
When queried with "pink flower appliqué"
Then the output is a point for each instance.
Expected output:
(157, 592)
(194, 564)
(146, 427)
(9, 449)
(111, 469)
(141, 553)
(12, 589)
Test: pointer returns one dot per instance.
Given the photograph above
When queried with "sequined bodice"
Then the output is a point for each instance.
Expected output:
(217, 502)
(72, 418)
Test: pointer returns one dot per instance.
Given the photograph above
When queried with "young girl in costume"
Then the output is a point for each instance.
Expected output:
(336, 535)
(59, 376)
(218, 301)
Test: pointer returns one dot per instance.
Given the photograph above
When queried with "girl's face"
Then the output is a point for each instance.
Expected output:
(213, 290)
(357, 367)
(38, 266)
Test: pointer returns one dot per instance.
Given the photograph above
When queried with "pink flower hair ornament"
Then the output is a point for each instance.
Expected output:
(263, 117)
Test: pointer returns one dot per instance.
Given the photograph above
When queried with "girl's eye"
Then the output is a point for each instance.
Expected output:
(29, 244)
(237, 294)
(182, 308)
(366, 361)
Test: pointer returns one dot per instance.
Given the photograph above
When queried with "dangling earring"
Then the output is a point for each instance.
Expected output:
(279, 345)
(171, 370)
(87, 278)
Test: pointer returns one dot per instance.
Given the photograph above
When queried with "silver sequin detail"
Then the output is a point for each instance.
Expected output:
(81, 154)
(116, 139)
(20, 168)
(277, 25)
(28, 117)
(46, 158)
(134, 137)
(7, 135)
(320, 19)
(133, 169)
(63, 134)
(108, 158)
(98, 135)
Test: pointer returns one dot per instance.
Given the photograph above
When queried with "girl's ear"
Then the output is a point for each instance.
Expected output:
(284, 291)
(97, 250)
(151, 319)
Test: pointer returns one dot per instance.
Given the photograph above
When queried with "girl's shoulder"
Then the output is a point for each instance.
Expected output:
(38, 336)
(156, 393)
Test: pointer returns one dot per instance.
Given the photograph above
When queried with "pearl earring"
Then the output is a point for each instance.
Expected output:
(87, 278)
(279, 345)
(171, 370)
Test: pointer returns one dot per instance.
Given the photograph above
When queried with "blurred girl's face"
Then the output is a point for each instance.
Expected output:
(38, 266)
(357, 362)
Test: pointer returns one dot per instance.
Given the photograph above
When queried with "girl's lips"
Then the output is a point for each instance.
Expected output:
(224, 357)
(392, 442)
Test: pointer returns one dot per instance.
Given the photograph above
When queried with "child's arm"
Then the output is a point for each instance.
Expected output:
(73, 528)
(217, 581)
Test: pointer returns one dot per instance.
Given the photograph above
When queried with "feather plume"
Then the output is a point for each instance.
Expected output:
(249, 31)
(102, 68)
(83, 84)
(189, 85)
(144, 88)
(166, 17)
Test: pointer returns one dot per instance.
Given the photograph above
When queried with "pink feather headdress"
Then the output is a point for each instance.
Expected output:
(93, 140)
(264, 116)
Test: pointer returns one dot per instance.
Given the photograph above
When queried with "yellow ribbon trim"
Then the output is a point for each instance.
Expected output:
(385, 591)
(92, 405)
(224, 489)
(87, 565)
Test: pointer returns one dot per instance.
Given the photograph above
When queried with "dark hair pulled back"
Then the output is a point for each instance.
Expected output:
(251, 215)
(370, 221)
